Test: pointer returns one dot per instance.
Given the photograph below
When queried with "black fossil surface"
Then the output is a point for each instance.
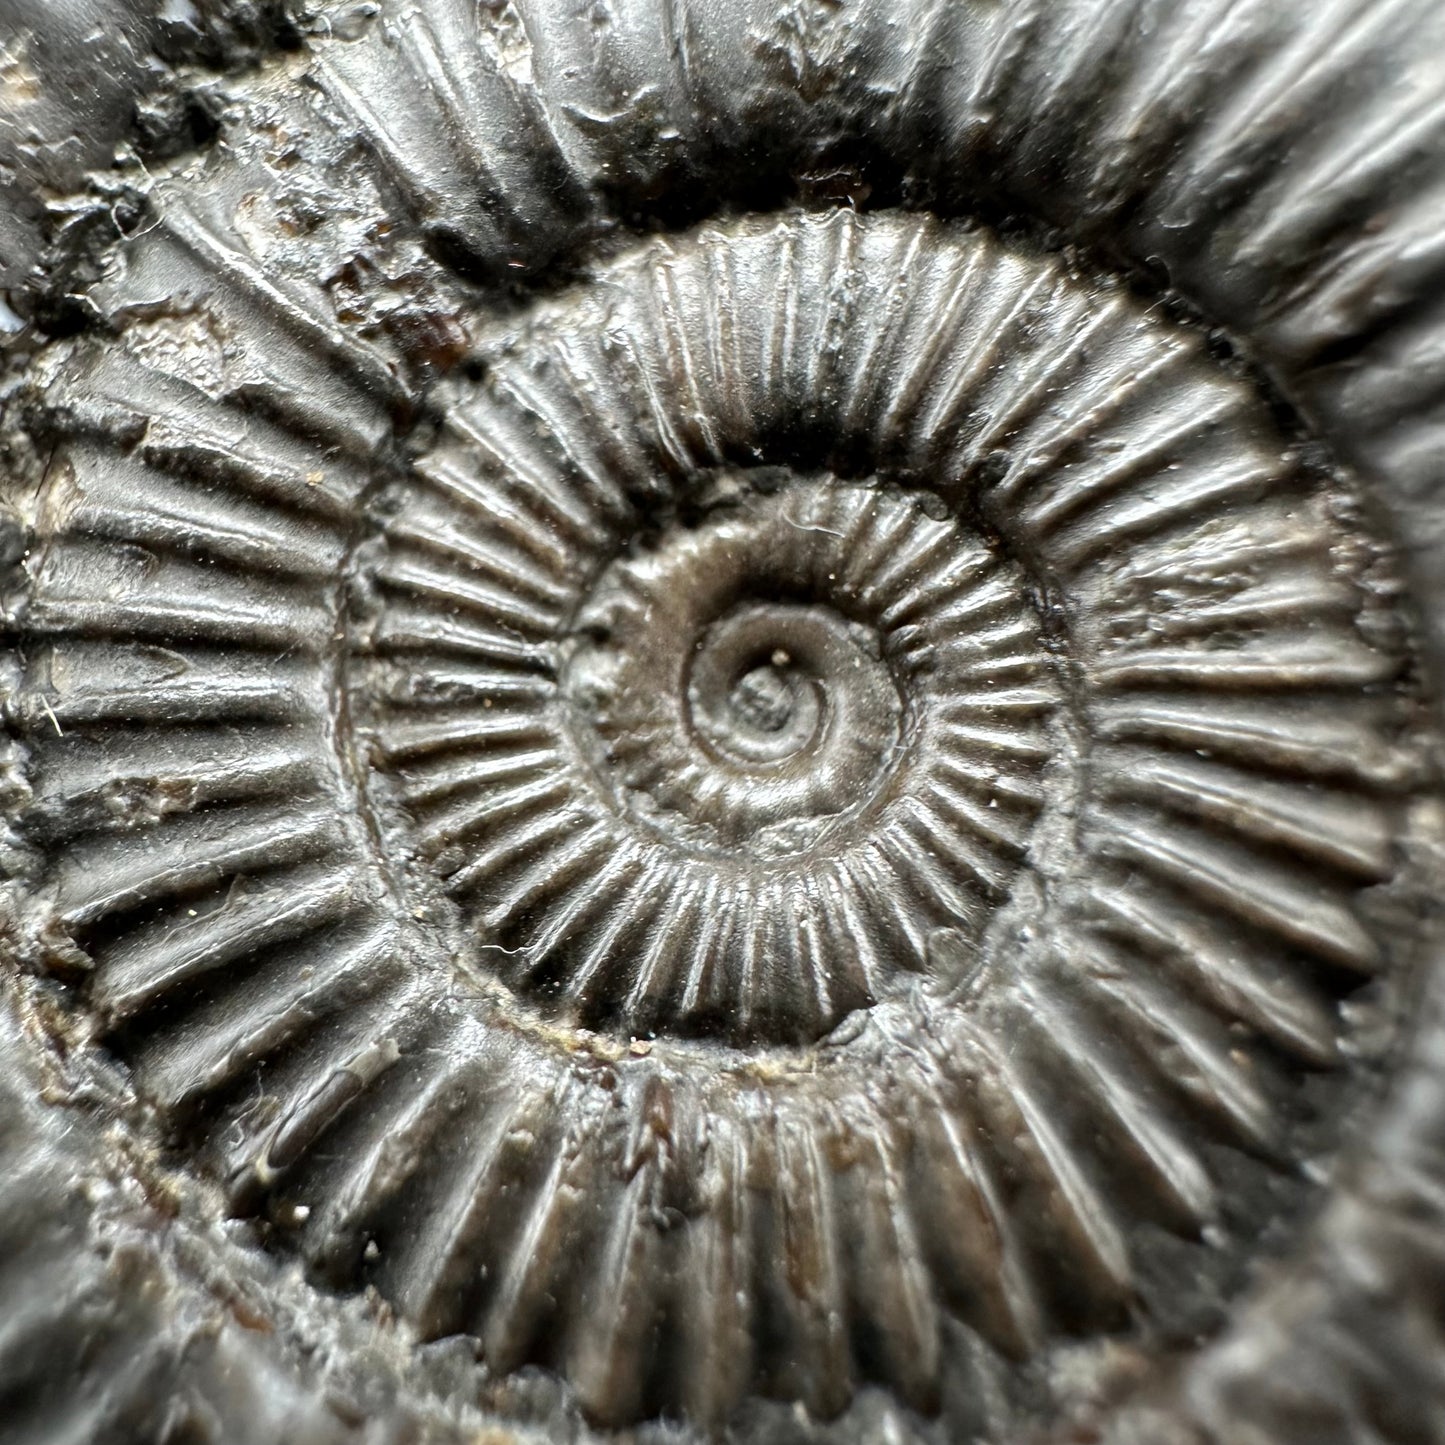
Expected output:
(722, 721)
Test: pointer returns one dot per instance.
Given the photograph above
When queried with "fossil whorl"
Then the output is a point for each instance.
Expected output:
(825, 798)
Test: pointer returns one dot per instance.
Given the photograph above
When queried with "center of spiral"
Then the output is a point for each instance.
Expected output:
(766, 699)
(764, 683)
(727, 699)
(785, 736)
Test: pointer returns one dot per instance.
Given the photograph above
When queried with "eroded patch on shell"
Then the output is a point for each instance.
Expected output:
(788, 833)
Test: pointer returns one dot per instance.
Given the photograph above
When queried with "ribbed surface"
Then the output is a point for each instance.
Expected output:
(1032, 583)
(394, 829)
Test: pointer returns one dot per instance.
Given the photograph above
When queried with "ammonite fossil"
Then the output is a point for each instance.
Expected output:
(721, 724)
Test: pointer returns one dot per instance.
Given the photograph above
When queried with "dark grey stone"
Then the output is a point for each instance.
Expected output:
(723, 721)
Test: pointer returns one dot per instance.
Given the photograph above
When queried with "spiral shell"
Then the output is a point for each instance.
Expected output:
(731, 796)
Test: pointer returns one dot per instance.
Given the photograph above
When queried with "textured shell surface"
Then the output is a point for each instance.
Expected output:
(721, 724)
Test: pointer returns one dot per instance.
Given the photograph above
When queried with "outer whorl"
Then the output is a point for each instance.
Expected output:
(677, 723)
